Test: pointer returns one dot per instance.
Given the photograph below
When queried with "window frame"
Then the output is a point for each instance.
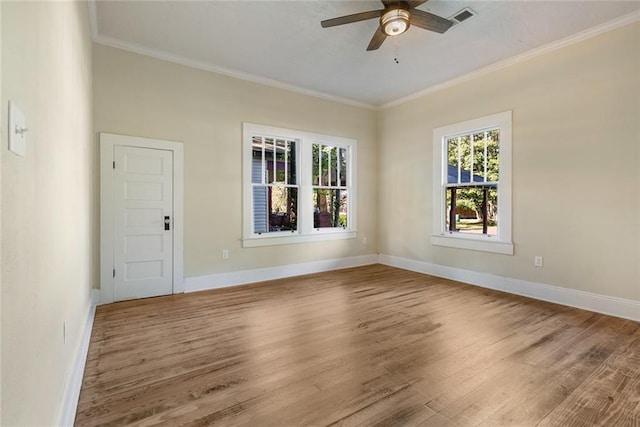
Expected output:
(502, 242)
(305, 231)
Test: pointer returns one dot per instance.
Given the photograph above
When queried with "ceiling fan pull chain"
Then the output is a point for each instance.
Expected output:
(397, 49)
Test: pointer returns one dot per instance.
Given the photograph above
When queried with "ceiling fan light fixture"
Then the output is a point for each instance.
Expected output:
(395, 22)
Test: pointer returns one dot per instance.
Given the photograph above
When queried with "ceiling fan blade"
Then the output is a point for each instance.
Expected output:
(378, 38)
(429, 21)
(411, 4)
(416, 3)
(362, 16)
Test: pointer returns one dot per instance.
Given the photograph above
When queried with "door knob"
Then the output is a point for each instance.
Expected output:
(167, 223)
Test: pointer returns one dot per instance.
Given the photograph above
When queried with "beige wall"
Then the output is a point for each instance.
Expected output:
(142, 96)
(2, 144)
(576, 167)
(48, 205)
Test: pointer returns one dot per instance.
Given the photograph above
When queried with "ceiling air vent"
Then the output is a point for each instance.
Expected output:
(463, 15)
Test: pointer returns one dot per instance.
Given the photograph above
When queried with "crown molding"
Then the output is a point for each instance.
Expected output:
(559, 44)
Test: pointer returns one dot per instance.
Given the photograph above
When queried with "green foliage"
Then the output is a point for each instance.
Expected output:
(465, 203)
(328, 162)
(478, 153)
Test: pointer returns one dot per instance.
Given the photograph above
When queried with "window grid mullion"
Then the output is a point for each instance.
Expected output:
(458, 142)
(273, 163)
(329, 165)
(338, 164)
(485, 156)
(471, 142)
(263, 162)
(319, 164)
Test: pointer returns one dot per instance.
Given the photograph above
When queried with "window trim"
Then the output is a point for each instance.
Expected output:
(305, 231)
(501, 243)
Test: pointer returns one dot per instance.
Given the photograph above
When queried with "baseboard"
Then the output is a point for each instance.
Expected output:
(243, 277)
(619, 307)
(74, 382)
(95, 297)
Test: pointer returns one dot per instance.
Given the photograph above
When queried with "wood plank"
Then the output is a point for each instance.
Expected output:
(368, 346)
(609, 396)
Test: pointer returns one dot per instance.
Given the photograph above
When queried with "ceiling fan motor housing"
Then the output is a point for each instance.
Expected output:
(395, 21)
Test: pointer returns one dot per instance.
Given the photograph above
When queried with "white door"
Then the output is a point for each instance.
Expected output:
(143, 222)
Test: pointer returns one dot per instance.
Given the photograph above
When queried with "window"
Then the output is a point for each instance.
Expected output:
(472, 184)
(297, 186)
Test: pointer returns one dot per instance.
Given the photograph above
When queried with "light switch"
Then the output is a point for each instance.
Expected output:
(17, 130)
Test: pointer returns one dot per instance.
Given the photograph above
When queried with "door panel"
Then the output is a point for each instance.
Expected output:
(143, 198)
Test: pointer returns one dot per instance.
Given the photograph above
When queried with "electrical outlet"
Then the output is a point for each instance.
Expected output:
(537, 261)
(364, 240)
(225, 254)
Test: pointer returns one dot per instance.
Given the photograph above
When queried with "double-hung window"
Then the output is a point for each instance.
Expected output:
(472, 184)
(297, 186)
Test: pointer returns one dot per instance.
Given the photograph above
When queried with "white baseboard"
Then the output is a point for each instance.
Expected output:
(95, 297)
(243, 277)
(619, 307)
(74, 382)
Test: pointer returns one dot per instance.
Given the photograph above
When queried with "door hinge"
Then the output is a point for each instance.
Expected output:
(114, 272)
(114, 164)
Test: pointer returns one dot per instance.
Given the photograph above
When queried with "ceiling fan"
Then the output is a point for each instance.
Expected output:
(395, 19)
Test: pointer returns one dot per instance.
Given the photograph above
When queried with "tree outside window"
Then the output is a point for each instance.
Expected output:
(473, 170)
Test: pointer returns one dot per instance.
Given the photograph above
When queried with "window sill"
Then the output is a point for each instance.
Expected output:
(287, 239)
(474, 243)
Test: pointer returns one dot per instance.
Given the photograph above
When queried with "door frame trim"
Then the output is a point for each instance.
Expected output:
(108, 141)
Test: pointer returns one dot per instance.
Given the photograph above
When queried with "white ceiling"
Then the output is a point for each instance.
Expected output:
(282, 43)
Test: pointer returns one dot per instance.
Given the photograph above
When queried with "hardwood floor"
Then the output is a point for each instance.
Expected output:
(373, 346)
